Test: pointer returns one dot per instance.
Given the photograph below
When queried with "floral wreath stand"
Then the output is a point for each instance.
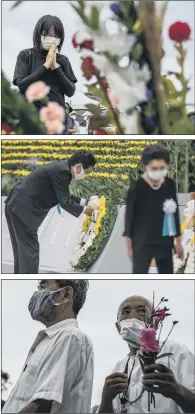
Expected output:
(188, 240)
(95, 232)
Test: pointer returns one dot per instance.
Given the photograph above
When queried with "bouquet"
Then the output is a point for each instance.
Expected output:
(150, 340)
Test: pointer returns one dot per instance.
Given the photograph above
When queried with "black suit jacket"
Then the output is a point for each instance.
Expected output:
(42, 189)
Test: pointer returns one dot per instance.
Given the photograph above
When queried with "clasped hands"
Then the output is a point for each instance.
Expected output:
(50, 62)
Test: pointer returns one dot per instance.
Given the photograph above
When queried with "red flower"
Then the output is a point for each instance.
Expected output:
(160, 314)
(179, 32)
(87, 44)
(88, 68)
(99, 132)
(6, 129)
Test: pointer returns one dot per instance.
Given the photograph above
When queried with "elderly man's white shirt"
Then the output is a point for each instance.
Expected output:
(59, 367)
(182, 367)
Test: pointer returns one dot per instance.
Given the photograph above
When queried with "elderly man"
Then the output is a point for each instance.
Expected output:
(171, 380)
(58, 373)
(31, 199)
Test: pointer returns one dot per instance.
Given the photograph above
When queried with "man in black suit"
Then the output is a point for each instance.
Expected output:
(31, 199)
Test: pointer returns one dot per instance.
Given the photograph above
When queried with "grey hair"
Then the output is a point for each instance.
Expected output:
(80, 288)
(148, 304)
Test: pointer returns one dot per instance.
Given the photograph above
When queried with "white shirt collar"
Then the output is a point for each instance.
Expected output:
(60, 326)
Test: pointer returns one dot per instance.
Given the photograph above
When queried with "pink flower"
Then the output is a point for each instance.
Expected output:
(52, 111)
(54, 127)
(148, 342)
(37, 91)
(160, 314)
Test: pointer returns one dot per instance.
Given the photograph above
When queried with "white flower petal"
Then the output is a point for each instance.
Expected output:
(130, 123)
(119, 44)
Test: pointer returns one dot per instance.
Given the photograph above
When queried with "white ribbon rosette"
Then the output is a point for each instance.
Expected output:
(169, 226)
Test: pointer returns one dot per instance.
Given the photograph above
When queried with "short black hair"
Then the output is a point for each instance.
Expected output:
(155, 152)
(86, 158)
(80, 288)
(43, 26)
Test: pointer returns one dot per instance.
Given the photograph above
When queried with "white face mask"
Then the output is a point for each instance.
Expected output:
(130, 329)
(157, 175)
(81, 175)
(47, 41)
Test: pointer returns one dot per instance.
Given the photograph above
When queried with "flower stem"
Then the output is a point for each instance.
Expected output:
(160, 331)
(115, 116)
(166, 338)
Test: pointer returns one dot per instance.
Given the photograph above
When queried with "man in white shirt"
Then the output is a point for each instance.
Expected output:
(172, 380)
(58, 373)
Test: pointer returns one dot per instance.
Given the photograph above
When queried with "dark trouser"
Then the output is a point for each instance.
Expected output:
(142, 257)
(25, 245)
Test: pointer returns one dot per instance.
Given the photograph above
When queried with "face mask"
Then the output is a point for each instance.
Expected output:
(157, 175)
(42, 302)
(130, 329)
(47, 41)
(81, 175)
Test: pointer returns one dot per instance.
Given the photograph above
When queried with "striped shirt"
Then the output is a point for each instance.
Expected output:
(59, 368)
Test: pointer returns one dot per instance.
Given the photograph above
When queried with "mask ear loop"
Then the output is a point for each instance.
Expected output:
(56, 291)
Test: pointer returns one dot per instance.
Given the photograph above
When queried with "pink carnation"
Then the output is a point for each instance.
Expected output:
(148, 342)
(52, 112)
(54, 127)
(37, 91)
(160, 314)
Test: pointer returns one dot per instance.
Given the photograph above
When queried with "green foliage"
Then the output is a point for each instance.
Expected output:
(181, 156)
(15, 111)
(114, 189)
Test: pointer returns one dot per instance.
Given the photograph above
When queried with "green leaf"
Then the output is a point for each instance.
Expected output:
(94, 109)
(137, 52)
(94, 18)
(82, 15)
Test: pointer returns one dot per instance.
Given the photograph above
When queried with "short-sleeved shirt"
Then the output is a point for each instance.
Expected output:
(59, 368)
(30, 60)
(183, 366)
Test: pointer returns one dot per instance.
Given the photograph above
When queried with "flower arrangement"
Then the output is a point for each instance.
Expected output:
(93, 236)
(150, 344)
(121, 62)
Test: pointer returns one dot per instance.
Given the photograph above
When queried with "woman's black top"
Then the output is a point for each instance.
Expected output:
(144, 213)
(29, 69)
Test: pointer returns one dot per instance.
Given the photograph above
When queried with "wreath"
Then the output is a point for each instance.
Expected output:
(94, 234)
